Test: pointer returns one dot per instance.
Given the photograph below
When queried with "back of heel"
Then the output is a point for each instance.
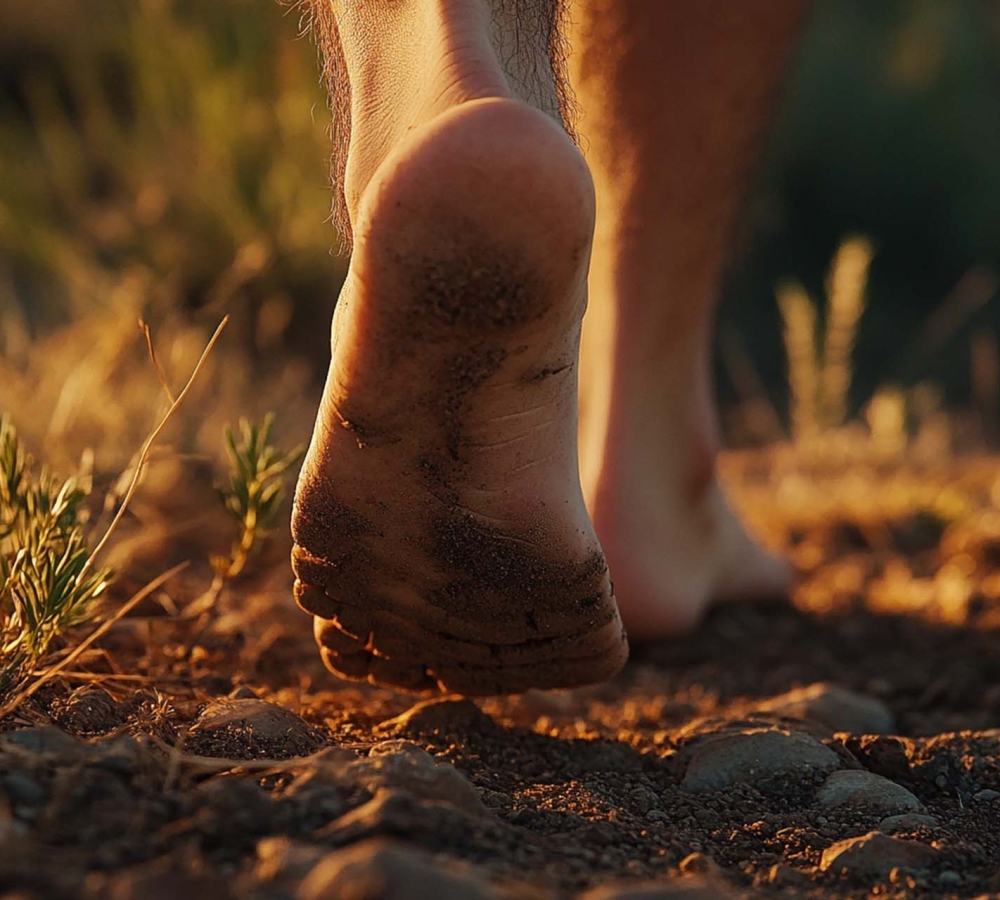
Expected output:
(483, 221)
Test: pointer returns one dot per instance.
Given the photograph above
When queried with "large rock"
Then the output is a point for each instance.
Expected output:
(250, 729)
(384, 870)
(835, 707)
(874, 855)
(725, 759)
(856, 787)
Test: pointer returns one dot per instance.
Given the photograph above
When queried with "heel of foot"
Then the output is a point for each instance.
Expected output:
(512, 209)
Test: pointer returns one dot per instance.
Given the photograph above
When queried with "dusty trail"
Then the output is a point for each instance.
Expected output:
(709, 758)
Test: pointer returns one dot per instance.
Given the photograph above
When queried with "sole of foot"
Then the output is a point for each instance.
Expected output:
(441, 539)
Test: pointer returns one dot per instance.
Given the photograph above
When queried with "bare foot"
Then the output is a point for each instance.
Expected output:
(441, 534)
(674, 545)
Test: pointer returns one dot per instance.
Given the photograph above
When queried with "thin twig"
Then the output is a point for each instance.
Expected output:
(108, 676)
(215, 765)
(144, 452)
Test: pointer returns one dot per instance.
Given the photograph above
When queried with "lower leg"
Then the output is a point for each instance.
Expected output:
(441, 535)
(675, 98)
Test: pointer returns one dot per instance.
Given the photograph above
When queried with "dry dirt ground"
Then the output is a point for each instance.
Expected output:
(843, 747)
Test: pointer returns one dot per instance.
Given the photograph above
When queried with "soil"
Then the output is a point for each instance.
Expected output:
(845, 746)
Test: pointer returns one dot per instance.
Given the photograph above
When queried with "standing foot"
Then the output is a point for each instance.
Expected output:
(441, 538)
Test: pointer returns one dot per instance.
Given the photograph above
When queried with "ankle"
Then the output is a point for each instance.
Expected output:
(646, 444)
(407, 62)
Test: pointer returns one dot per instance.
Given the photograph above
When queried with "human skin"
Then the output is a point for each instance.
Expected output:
(443, 538)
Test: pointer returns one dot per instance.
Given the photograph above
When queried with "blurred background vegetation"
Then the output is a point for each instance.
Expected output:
(168, 159)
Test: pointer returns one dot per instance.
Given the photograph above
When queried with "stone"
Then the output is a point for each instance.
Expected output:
(874, 855)
(700, 864)
(906, 822)
(856, 787)
(438, 716)
(668, 889)
(164, 881)
(404, 765)
(250, 729)
(281, 858)
(783, 875)
(641, 800)
(835, 707)
(719, 761)
(987, 796)
(315, 798)
(22, 789)
(243, 692)
(46, 740)
(385, 870)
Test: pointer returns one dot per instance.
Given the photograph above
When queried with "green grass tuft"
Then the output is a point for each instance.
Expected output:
(46, 582)
(256, 488)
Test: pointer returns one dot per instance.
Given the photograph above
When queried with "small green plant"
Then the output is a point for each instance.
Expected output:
(47, 583)
(253, 497)
(256, 486)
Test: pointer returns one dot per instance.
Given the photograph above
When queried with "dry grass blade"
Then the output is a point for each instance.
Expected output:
(214, 765)
(147, 334)
(147, 445)
(798, 315)
(845, 292)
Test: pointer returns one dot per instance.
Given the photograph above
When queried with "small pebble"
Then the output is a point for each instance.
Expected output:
(874, 855)
(250, 729)
(987, 796)
(906, 822)
(440, 715)
(857, 787)
(404, 765)
(243, 692)
(835, 707)
(383, 870)
(949, 878)
(753, 756)
(782, 875)
(642, 800)
(699, 864)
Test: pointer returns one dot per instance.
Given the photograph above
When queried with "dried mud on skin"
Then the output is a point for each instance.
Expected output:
(848, 751)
